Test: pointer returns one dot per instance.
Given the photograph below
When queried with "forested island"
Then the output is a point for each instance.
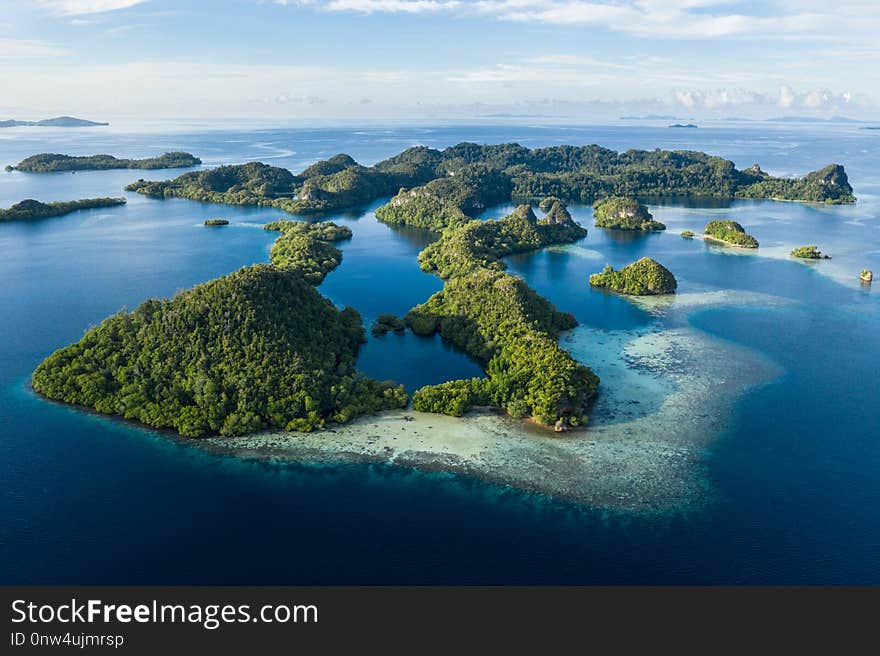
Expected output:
(469, 177)
(50, 162)
(829, 185)
(216, 222)
(619, 213)
(254, 349)
(386, 323)
(262, 348)
(31, 209)
(57, 122)
(645, 277)
(730, 233)
(810, 252)
(501, 322)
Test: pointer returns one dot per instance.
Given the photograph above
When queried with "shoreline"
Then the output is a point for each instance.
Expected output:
(643, 451)
(708, 237)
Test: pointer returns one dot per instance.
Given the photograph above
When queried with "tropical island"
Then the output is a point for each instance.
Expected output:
(469, 177)
(645, 277)
(216, 222)
(258, 348)
(192, 363)
(730, 233)
(502, 323)
(50, 162)
(620, 213)
(57, 122)
(246, 351)
(829, 185)
(811, 252)
(687, 234)
(386, 323)
(30, 209)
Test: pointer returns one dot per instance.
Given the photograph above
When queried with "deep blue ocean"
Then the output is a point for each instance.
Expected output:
(796, 495)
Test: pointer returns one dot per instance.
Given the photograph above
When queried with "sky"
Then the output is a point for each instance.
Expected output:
(428, 59)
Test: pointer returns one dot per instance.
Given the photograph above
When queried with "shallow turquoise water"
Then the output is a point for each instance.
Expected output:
(87, 499)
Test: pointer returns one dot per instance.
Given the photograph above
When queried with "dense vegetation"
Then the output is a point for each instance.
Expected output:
(216, 222)
(810, 252)
(619, 213)
(254, 349)
(687, 234)
(243, 184)
(386, 323)
(48, 162)
(34, 209)
(828, 185)
(730, 232)
(482, 244)
(511, 331)
(435, 187)
(501, 322)
(645, 277)
(866, 275)
(305, 248)
(422, 209)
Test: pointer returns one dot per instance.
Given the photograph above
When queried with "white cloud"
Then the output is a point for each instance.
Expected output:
(786, 98)
(25, 49)
(380, 6)
(693, 19)
(81, 7)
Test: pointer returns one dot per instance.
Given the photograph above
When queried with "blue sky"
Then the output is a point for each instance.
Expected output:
(421, 59)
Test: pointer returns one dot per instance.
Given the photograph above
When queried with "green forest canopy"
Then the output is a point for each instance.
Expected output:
(621, 213)
(30, 209)
(254, 349)
(645, 277)
(469, 177)
(49, 162)
(501, 322)
(731, 233)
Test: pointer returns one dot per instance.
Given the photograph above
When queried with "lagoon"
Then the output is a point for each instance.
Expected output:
(755, 384)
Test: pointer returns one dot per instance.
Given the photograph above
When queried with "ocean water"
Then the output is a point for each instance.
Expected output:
(789, 459)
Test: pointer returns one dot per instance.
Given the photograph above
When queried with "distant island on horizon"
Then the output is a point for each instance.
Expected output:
(57, 122)
(683, 125)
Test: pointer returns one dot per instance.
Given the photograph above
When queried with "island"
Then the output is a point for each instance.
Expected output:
(216, 222)
(810, 252)
(31, 209)
(829, 185)
(730, 233)
(682, 125)
(386, 323)
(502, 323)
(57, 122)
(191, 363)
(50, 162)
(467, 178)
(687, 234)
(645, 277)
(866, 275)
(261, 348)
(258, 348)
(621, 213)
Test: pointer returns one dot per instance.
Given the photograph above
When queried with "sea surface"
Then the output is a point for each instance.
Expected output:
(791, 463)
